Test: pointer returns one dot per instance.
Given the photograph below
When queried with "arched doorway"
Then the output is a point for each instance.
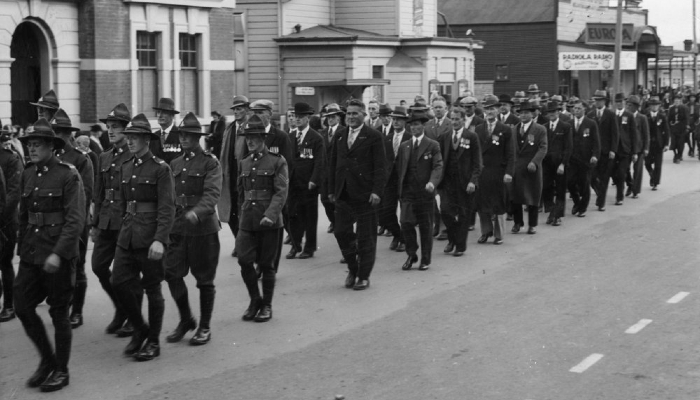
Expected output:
(29, 71)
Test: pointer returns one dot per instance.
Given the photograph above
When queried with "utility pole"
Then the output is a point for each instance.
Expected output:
(617, 79)
(695, 53)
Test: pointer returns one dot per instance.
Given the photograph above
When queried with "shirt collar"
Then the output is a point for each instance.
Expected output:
(417, 140)
(267, 128)
(168, 129)
(526, 126)
(401, 133)
(459, 132)
(555, 122)
(358, 129)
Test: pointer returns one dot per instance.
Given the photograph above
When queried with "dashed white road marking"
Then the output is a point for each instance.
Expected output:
(586, 363)
(638, 326)
(677, 298)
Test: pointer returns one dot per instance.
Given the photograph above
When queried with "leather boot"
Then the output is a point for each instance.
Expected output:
(206, 306)
(252, 309)
(56, 381)
(46, 366)
(182, 328)
(137, 340)
(117, 322)
(76, 316)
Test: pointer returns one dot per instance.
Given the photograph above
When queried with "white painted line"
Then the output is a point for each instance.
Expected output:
(586, 363)
(677, 298)
(638, 326)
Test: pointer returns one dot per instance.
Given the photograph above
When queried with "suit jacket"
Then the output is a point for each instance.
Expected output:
(643, 130)
(380, 128)
(358, 171)
(607, 131)
(659, 132)
(169, 150)
(511, 120)
(476, 121)
(309, 162)
(630, 143)
(391, 172)
(586, 141)
(559, 143)
(435, 131)
(530, 147)
(429, 167)
(498, 159)
(468, 156)
(328, 143)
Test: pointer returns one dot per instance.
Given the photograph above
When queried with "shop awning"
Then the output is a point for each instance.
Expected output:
(343, 82)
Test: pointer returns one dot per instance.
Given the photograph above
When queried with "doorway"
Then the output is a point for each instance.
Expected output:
(29, 51)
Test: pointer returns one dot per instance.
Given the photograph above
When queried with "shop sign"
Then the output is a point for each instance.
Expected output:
(605, 34)
(304, 91)
(596, 61)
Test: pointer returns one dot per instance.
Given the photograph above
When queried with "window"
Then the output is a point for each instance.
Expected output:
(189, 82)
(502, 72)
(377, 72)
(147, 78)
(239, 53)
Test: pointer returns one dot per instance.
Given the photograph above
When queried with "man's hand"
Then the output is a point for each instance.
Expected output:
(430, 187)
(331, 198)
(507, 178)
(611, 155)
(52, 263)
(266, 222)
(635, 158)
(192, 217)
(471, 187)
(665, 148)
(94, 234)
(312, 186)
(594, 161)
(155, 252)
(374, 199)
(532, 167)
(560, 170)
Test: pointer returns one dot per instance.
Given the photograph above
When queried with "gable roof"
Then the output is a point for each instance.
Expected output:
(480, 12)
(330, 32)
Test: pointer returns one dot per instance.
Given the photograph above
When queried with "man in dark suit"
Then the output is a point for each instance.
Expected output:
(390, 199)
(358, 177)
(628, 147)
(555, 164)
(461, 157)
(634, 179)
(505, 115)
(584, 157)
(693, 117)
(309, 166)
(372, 119)
(216, 133)
(385, 117)
(419, 171)
(471, 121)
(679, 120)
(440, 125)
(609, 140)
(531, 147)
(658, 141)
(333, 114)
(167, 145)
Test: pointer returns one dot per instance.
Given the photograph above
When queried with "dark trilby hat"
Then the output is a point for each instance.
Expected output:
(634, 99)
(552, 106)
(190, 124)
(619, 97)
(240, 101)
(119, 113)
(599, 95)
(254, 126)
(418, 107)
(399, 112)
(140, 125)
(332, 109)
(42, 130)
(654, 100)
(303, 109)
(385, 109)
(530, 105)
(49, 100)
(166, 104)
(418, 116)
(504, 98)
(491, 101)
(533, 88)
(61, 121)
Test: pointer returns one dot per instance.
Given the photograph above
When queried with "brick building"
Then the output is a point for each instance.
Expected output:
(97, 53)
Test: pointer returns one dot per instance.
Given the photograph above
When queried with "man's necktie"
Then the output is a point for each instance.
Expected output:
(298, 138)
(455, 140)
(351, 137)
(397, 143)
(491, 127)
(578, 123)
(600, 114)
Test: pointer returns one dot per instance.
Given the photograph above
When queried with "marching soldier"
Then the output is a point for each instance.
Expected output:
(61, 124)
(47, 105)
(12, 168)
(166, 144)
(51, 218)
(262, 192)
(555, 164)
(107, 220)
(194, 239)
(149, 210)
(658, 141)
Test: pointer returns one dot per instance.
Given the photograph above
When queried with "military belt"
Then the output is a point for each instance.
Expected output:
(258, 195)
(113, 194)
(47, 218)
(187, 201)
(135, 207)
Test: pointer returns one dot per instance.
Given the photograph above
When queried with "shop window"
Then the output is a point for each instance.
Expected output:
(189, 81)
(147, 76)
(502, 72)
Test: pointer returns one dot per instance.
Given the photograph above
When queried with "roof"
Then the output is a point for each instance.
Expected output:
(331, 32)
(480, 12)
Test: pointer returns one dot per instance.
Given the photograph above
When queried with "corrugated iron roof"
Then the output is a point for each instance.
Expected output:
(479, 12)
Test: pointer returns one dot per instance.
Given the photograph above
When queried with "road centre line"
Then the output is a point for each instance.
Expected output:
(638, 326)
(677, 298)
(586, 363)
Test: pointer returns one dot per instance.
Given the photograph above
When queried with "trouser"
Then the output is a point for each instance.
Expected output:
(622, 166)
(422, 216)
(32, 286)
(278, 254)
(387, 211)
(678, 145)
(455, 212)
(492, 224)
(601, 179)
(303, 219)
(579, 183)
(259, 247)
(436, 218)
(553, 189)
(199, 255)
(80, 275)
(359, 247)
(102, 256)
(690, 139)
(8, 239)
(329, 208)
(532, 215)
(634, 178)
(133, 273)
(653, 164)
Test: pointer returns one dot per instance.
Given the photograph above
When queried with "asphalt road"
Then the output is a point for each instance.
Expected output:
(563, 314)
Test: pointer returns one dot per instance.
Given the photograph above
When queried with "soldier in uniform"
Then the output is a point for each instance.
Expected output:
(12, 168)
(47, 105)
(555, 164)
(194, 239)
(149, 211)
(166, 144)
(262, 192)
(61, 124)
(51, 218)
(107, 220)
(658, 141)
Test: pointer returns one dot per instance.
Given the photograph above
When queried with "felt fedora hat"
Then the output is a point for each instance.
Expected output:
(166, 104)
(490, 101)
(399, 112)
(190, 124)
(61, 121)
(303, 109)
(48, 100)
(254, 126)
(42, 130)
(240, 101)
(140, 125)
(119, 113)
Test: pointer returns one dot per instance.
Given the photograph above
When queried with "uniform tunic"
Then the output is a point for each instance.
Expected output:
(12, 168)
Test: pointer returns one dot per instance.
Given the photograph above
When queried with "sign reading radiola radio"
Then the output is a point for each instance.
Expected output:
(596, 61)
